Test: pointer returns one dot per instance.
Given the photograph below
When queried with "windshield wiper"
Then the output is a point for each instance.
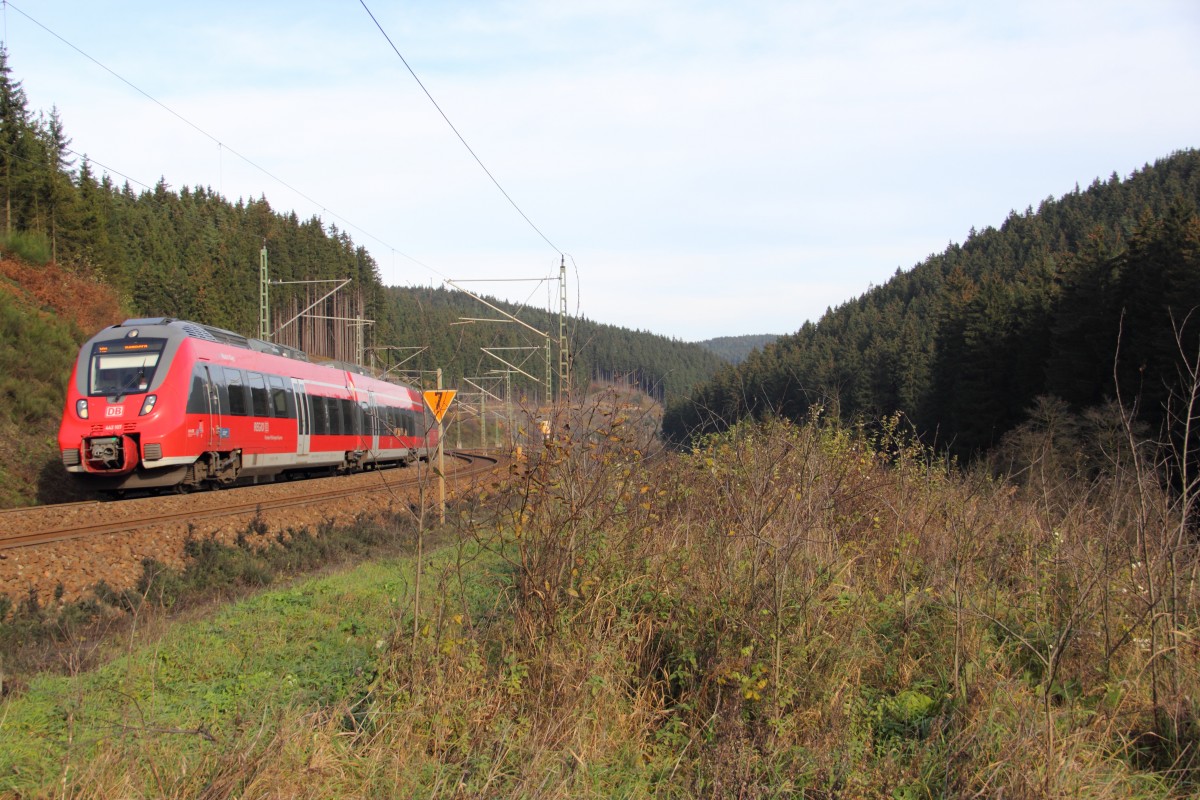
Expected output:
(139, 382)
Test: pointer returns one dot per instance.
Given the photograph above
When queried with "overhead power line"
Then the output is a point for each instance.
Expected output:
(478, 161)
(84, 156)
(218, 142)
(107, 168)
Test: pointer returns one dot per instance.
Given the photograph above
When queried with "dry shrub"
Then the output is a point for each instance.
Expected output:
(788, 609)
(70, 293)
(813, 607)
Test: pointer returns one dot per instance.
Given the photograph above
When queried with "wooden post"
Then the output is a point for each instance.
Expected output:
(441, 462)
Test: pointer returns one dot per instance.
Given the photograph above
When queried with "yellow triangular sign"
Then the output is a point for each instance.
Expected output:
(439, 400)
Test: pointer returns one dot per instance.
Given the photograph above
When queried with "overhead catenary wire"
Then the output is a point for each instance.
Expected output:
(478, 161)
(214, 139)
(85, 157)
(250, 162)
(474, 155)
(107, 168)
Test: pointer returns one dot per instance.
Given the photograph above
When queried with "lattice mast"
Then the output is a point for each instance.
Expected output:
(564, 361)
(264, 303)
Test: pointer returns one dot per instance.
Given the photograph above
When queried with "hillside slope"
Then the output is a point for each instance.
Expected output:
(736, 349)
(965, 341)
(46, 313)
(663, 368)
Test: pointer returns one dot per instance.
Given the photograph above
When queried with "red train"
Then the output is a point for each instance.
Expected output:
(166, 403)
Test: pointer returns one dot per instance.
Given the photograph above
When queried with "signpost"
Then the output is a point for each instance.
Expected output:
(439, 400)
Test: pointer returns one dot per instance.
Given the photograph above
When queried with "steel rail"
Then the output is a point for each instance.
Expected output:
(475, 463)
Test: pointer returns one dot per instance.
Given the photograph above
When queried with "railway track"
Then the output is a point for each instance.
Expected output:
(27, 527)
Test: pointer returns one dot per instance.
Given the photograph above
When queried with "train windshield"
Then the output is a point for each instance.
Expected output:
(120, 368)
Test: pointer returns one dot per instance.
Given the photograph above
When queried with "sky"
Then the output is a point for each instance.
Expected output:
(703, 168)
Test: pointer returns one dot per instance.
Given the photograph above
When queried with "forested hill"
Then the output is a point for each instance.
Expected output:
(736, 349)
(666, 369)
(189, 253)
(194, 254)
(966, 342)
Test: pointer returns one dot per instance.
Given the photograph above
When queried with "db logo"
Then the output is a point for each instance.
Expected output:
(114, 411)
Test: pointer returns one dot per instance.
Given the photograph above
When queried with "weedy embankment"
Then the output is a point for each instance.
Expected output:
(809, 608)
(788, 609)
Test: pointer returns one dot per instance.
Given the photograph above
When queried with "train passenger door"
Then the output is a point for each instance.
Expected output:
(372, 431)
(212, 404)
(303, 417)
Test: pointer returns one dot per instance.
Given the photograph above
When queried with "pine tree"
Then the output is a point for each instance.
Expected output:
(60, 193)
(14, 140)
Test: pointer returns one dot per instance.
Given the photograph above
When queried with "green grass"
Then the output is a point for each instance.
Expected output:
(31, 246)
(210, 686)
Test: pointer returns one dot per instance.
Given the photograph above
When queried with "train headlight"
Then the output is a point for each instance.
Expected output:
(81, 408)
(148, 404)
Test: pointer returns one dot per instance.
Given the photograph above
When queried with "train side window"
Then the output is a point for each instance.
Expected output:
(333, 422)
(198, 396)
(218, 379)
(320, 415)
(258, 395)
(238, 405)
(281, 404)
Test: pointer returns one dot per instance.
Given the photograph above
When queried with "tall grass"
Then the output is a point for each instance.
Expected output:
(790, 609)
(31, 246)
(808, 608)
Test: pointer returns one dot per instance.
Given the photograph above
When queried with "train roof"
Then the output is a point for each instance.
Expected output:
(209, 333)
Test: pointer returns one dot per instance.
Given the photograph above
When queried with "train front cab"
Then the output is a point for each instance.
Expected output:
(113, 421)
